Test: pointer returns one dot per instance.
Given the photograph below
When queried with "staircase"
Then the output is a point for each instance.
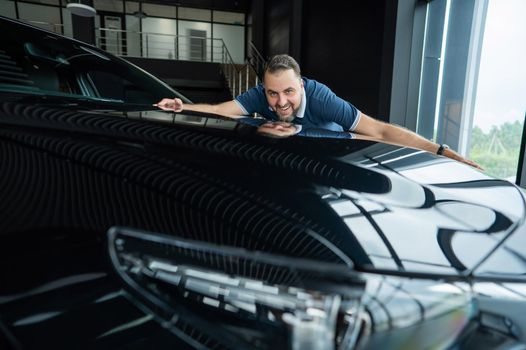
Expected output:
(12, 75)
(201, 82)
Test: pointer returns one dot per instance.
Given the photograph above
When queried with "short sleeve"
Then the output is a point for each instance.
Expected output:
(335, 109)
(251, 100)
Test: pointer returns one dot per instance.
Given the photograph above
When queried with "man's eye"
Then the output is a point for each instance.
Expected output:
(273, 94)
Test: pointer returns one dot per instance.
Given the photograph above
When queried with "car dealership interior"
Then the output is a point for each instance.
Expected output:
(136, 213)
(447, 69)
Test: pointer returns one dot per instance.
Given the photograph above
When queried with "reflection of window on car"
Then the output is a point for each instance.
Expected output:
(116, 87)
(33, 61)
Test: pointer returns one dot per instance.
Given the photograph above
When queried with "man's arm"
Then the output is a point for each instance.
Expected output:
(227, 109)
(401, 136)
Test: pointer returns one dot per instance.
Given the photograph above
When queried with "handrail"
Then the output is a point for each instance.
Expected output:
(121, 42)
(239, 78)
(256, 60)
(159, 45)
(57, 27)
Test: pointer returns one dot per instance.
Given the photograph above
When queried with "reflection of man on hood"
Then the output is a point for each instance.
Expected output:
(278, 129)
(281, 129)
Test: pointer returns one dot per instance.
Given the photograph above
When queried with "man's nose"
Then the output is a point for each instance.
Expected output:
(282, 100)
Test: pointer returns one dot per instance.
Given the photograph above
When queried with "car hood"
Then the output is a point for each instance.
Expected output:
(224, 215)
(400, 210)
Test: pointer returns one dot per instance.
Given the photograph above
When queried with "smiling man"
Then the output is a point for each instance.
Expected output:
(288, 97)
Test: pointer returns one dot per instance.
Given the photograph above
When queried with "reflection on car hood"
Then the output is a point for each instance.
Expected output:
(410, 230)
(400, 210)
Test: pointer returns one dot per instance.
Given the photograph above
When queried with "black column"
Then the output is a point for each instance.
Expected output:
(295, 29)
(257, 14)
(521, 167)
(84, 27)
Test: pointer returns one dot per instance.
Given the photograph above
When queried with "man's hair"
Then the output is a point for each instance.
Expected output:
(282, 62)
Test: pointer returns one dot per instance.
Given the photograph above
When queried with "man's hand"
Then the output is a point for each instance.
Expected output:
(168, 104)
(454, 155)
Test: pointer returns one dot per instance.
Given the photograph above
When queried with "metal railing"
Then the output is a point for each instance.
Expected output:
(249, 74)
(255, 59)
(52, 27)
(160, 45)
(239, 77)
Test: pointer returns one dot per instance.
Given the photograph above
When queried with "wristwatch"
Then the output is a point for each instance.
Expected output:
(442, 148)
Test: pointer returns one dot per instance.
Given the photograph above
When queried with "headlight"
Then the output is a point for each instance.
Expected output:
(234, 298)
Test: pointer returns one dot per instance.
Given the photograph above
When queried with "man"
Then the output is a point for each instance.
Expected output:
(286, 96)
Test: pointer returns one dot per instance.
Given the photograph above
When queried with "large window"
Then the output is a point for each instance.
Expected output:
(472, 84)
(500, 100)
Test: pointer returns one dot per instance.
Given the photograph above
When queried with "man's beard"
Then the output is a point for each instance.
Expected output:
(288, 118)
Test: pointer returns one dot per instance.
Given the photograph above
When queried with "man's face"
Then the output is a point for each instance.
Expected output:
(284, 91)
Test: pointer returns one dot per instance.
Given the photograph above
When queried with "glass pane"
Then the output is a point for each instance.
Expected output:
(229, 17)
(158, 38)
(501, 90)
(194, 14)
(194, 41)
(234, 39)
(7, 8)
(67, 23)
(108, 5)
(49, 2)
(132, 6)
(159, 10)
(133, 37)
(46, 17)
(113, 38)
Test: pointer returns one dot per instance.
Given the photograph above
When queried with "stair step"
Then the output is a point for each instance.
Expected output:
(10, 73)
(15, 80)
(10, 68)
(16, 87)
(7, 61)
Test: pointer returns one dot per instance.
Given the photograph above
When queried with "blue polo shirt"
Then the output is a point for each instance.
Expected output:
(320, 107)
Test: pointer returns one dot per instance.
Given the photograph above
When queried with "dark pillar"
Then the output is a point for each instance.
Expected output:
(258, 24)
(295, 29)
(84, 27)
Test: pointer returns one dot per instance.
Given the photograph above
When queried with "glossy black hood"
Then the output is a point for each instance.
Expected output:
(378, 199)
(399, 224)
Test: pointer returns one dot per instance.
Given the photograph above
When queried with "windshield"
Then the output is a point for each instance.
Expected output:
(36, 62)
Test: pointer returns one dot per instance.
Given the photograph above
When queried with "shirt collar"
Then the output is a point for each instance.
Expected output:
(303, 105)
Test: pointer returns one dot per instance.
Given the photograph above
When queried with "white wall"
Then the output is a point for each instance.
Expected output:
(40, 13)
(7, 8)
(66, 21)
(159, 44)
(234, 38)
(133, 38)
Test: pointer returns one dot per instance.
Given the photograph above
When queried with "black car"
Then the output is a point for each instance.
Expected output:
(40, 63)
(126, 227)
